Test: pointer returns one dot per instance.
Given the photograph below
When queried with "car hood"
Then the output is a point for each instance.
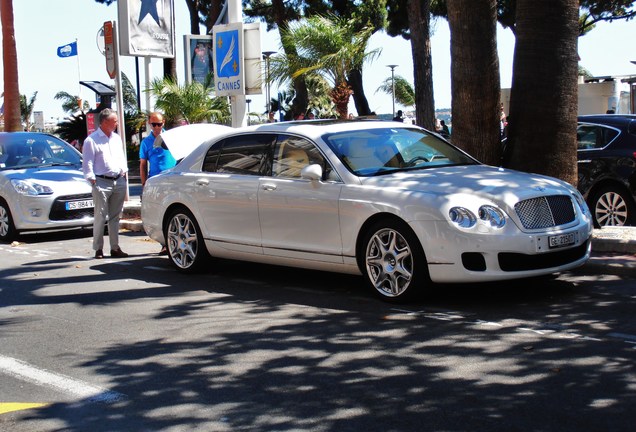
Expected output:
(51, 176)
(182, 140)
(497, 184)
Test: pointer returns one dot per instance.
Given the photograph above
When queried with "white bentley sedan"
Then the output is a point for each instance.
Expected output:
(390, 201)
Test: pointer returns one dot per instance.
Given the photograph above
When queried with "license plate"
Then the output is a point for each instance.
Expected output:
(78, 205)
(562, 240)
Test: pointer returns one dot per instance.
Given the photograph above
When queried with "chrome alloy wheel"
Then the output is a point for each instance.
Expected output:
(389, 262)
(182, 241)
(611, 209)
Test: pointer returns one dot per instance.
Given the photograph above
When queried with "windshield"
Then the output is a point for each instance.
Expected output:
(33, 150)
(377, 151)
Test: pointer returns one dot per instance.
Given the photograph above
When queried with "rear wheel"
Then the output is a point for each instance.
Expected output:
(7, 229)
(394, 263)
(613, 206)
(184, 242)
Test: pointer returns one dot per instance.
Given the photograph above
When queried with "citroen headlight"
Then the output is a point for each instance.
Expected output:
(462, 217)
(492, 216)
(26, 187)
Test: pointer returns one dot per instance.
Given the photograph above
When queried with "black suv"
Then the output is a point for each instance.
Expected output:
(607, 167)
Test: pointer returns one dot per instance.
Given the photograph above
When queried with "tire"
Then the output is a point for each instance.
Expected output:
(184, 242)
(7, 229)
(612, 206)
(393, 261)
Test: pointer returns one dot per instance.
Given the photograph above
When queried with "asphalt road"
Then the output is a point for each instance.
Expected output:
(122, 345)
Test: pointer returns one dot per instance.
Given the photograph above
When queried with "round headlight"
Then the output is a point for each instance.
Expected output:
(492, 216)
(462, 217)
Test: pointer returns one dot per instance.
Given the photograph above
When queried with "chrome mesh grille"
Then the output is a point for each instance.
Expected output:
(545, 212)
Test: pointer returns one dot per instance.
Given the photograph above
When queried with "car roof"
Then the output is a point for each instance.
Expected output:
(314, 128)
(608, 119)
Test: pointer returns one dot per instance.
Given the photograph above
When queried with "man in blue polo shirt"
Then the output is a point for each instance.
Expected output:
(154, 159)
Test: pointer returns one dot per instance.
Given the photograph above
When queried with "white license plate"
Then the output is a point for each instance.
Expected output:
(562, 240)
(78, 205)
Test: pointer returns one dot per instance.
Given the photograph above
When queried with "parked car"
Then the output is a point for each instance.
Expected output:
(391, 201)
(41, 185)
(607, 167)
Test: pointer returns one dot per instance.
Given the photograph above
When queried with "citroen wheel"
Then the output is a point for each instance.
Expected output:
(7, 229)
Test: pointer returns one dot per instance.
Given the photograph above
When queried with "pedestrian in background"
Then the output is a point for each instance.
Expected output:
(399, 117)
(153, 157)
(106, 169)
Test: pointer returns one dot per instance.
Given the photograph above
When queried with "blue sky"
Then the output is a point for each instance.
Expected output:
(44, 25)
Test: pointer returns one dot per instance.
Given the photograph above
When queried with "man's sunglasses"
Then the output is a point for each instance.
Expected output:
(156, 124)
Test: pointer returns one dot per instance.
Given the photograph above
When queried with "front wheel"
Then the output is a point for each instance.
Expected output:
(7, 229)
(613, 207)
(184, 242)
(394, 263)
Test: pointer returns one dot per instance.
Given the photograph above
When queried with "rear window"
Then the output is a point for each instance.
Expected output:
(590, 136)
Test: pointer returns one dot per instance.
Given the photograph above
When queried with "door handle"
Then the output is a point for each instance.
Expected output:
(202, 182)
(268, 186)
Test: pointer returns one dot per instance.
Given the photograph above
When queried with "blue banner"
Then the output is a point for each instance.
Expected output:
(68, 50)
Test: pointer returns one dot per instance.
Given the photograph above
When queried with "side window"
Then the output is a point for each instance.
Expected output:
(608, 135)
(245, 154)
(292, 154)
(586, 137)
(211, 157)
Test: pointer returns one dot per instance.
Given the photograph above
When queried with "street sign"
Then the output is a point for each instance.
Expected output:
(109, 45)
(229, 74)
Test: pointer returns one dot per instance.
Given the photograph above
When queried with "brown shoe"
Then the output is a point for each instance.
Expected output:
(118, 253)
(99, 254)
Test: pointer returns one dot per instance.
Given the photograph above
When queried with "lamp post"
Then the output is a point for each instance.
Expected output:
(393, 85)
(247, 101)
(268, 100)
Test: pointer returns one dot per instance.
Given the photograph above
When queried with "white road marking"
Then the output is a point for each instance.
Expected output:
(23, 370)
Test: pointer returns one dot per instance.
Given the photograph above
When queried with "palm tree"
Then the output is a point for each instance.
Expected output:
(10, 65)
(70, 103)
(327, 46)
(26, 110)
(73, 128)
(404, 91)
(191, 103)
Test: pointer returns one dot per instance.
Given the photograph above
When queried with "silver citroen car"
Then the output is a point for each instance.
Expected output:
(392, 202)
(42, 186)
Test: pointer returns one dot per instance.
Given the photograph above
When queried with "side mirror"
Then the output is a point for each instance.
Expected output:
(312, 172)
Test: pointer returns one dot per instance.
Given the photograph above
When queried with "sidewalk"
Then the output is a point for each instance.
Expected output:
(613, 248)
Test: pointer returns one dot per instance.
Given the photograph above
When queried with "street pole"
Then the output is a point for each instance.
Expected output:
(392, 85)
(268, 101)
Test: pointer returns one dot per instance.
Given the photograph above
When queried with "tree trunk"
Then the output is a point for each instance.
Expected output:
(12, 121)
(359, 98)
(475, 86)
(193, 6)
(419, 27)
(301, 95)
(544, 98)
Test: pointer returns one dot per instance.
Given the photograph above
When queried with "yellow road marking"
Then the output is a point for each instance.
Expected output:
(17, 406)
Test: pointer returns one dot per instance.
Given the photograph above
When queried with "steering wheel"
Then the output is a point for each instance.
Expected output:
(415, 159)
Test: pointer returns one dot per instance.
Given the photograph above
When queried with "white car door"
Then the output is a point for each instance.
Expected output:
(228, 191)
(299, 218)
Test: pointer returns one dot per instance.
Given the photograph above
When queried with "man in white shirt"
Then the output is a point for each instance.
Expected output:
(106, 168)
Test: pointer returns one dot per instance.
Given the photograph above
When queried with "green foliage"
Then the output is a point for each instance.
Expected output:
(26, 110)
(404, 91)
(72, 128)
(191, 103)
(70, 102)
